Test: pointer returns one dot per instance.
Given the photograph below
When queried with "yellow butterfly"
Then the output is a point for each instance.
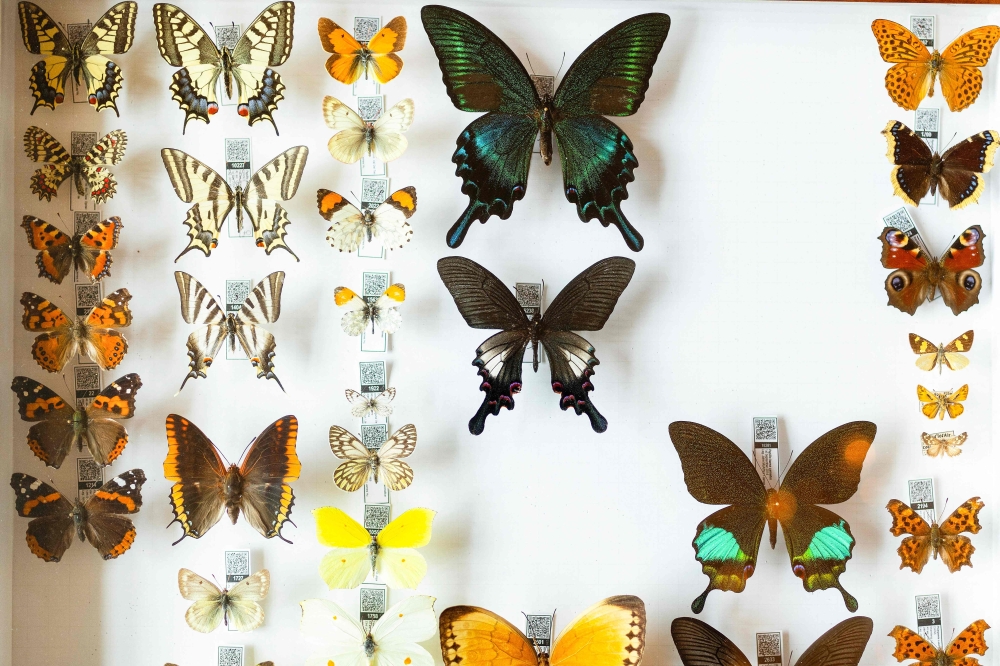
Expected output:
(354, 137)
(351, 59)
(212, 606)
(356, 553)
(936, 403)
(930, 355)
(935, 445)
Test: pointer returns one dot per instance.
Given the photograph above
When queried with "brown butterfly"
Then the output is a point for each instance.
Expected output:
(918, 171)
(58, 253)
(60, 425)
(205, 486)
(937, 445)
(911, 645)
(945, 539)
(930, 355)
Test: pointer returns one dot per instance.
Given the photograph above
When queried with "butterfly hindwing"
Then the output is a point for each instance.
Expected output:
(51, 437)
(108, 527)
(50, 531)
(960, 282)
(962, 166)
(841, 645)
(278, 180)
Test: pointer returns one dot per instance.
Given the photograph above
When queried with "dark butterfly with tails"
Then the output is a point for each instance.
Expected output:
(609, 78)
(819, 542)
(583, 305)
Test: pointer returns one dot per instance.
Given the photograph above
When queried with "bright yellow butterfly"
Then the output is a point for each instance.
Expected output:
(936, 403)
(390, 554)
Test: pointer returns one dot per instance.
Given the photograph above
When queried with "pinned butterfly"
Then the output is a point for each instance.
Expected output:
(382, 313)
(362, 463)
(936, 446)
(102, 520)
(585, 304)
(819, 542)
(59, 425)
(945, 539)
(213, 198)
(213, 606)
(59, 253)
(387, 224)
(216, 327)
(363, 406)
(248, 66)
(949, 355)
(351, 60)
(970, 641)
(482, 74)
(89, 171)
(918, 275)
(85, 60)
(938, 403)
(355, 137)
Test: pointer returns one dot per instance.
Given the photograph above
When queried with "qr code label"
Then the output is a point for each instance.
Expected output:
(372, 376)
(86, 384)
(765, 432)
(83, 220)
(77, 32)
(374, 191)
(929, 618)
(230, 655)
(237, 153)
(922, 497)
(539, 629)
(82, 142)
(528, 295)
(237, 565)
(376, 517)
(769, 647)
(373, 285)
(365, 27)
(227, 35)
(88, 296)
(900, 219)
(237, 291)
(370, 108)
(545, 85)
(927, 124)
(89, 477)
(374, 435)
(923, 28)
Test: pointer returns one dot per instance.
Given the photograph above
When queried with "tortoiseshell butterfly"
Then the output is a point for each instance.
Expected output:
(945, 539)
(59, 253)
(911, 645)
(95, 336)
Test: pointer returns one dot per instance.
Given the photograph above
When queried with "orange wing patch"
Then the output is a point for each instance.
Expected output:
(961, 79)
(910, 645)
(905, 520)
(972, 640)
(111, 347)
(912, 77)
(52, 350)
(405, 200)
(121, 547)
(113, 311)
(329, 202)
(40, 314)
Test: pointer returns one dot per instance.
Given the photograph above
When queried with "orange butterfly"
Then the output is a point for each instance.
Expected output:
(93, 336)
(912, 77)
(911, 645)
(58, 253)
(936, 403)
(945, 539)
(351, 59)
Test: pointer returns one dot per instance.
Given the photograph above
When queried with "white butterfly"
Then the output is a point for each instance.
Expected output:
(387, 223)
(379, 405)
(362, 462)
(211, 605)
(392, 641)
(383, 313)
(936, 446)
(355, 138)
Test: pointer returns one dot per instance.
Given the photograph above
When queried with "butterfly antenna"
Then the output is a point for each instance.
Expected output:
(532, 68)
(949, 141)
(563, 62)
(787, 464)
(356, 198)
(943, 508)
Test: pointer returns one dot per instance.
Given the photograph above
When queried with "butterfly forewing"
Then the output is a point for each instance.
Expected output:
(466, 631)
(589, 299)
(482, 299)
(278, 180)
(700, 644)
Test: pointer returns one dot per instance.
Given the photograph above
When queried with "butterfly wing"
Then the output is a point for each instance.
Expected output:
(207, 612)
(609, 633)
(352, 474)
(960, 282)
(349, 142)
(610, 78)
(346, 64)
(933, 404)
(199, 307)
(108, 528)
(700, 644)
(56, 344)
(267, 43)
(914, 550)
(388, 142)
(481, 73)
(348, 564)
(398, 561)
(358, 312)
(396, 474)
(276, 180)
(398, 632)
(953, 402)
(40, 146)
(51, 530)
(911, 78)
(55, 249)
(106, 438)
(197, 470)
(472, 635)
(389, 220)
(971, 640)
(94, 258)
(717, 472)
(485, 302)
(385, 65)
(911, 176)
(268, 467)
(43, 36)
(263, 303)
(908, 285)
(927, 352)
(956, 550)
(385, 312)
(911, 645)
(102, 342)
(244, 612)
(841, 645)
(342, 637)
(953, 356)
(183, 43)
(112, 34)
(348, 230)
(52, 436)
(961, 80)
(213, 199)
(962, 167)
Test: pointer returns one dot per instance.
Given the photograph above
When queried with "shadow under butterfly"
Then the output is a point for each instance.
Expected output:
(585, 304)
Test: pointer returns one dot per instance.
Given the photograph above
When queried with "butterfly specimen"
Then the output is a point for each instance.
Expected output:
(59, 425)
(248, 66)
(213, 606)
(936, 403)
(58, 253)
(206, 487)
(387, 223)
(391, 553)
(911, 645)
(89, 172)
(700, 644)
(355, 138)
(362, 405)
(83, 59)
(213, 198)
(957, 173)
(216, 326)
(94, 336)
(609, 633)
(918, 275)
(391, 641)
(362, 462)
(912, 77)
(819, 542)
(930, 355)
(945, 539)
(382, 314)
(609, 78)
(351, 60)
(583, 305)
(102, 520)
(936, 445)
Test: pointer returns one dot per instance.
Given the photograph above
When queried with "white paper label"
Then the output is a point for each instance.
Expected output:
(923, 27)
(230, 655)
(89, 477)
(921, 493)
(374, 597)
(769, 648)
(237, 291)
(373, 285)
(529, 296)
(929, 618)
(238, 173)
(765, 447)
(538, 629)
(366, 27)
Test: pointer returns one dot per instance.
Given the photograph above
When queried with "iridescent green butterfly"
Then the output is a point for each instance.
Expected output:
(819, 542)
(610, 78)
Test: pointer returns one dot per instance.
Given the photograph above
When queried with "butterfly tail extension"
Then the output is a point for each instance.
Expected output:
(726, 545)
(48, 82)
